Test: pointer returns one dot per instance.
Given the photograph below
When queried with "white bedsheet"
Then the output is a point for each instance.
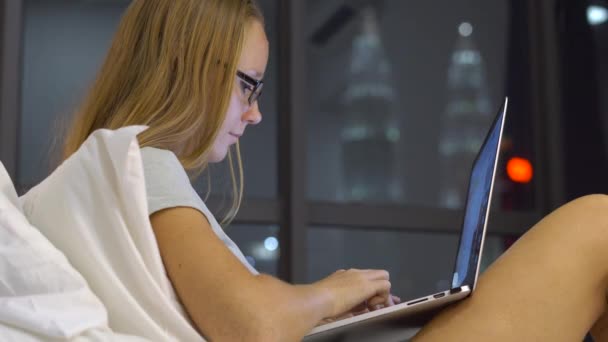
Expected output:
(94, 209)
(42, 297)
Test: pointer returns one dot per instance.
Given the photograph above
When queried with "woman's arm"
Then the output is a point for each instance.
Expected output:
(227, 302)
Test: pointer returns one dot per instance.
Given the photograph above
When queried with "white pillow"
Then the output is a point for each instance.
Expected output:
(42, 296)
(94, 209)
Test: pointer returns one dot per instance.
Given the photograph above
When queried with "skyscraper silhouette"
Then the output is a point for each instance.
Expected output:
(370, 132)
(465, 120)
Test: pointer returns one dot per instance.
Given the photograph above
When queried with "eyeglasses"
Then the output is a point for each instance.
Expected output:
(252, 85)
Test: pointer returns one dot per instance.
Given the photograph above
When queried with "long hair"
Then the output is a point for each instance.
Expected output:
(171, 66)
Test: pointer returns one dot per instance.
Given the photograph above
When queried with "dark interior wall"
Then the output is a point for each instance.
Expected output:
(584, 120)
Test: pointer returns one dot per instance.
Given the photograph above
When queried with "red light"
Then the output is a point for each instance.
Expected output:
(520, 170)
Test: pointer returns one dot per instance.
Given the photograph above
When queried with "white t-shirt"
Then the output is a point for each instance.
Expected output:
(168, 186)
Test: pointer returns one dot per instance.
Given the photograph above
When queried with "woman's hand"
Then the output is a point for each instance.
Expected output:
(377, 303)
(356, 291)
(365, 307)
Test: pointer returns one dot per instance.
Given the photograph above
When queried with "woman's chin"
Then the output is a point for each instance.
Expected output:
(217, 156)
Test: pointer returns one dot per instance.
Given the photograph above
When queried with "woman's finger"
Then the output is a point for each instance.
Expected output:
(376, 302)
(357, 313)
(325, 321)
(346, 315)
(360, 307)
(390, 301)
(377, 274)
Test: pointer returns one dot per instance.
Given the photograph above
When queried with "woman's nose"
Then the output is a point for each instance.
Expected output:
(253, 116)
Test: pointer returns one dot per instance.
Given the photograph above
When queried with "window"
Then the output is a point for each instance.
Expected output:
(373, 112)
(401, 96)
(259, 244)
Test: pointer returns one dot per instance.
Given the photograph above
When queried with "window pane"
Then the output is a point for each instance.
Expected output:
(259, 144)
(259, 244)
(64, 45)
(418, 263)
(402, 93)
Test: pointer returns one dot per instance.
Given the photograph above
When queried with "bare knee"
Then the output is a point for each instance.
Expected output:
(591, 201)
(582, 225)
(589, 206)
(588, 212)
(578, 229)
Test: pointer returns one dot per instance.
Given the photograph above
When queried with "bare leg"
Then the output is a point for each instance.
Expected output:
(600, 329)
(549, 286)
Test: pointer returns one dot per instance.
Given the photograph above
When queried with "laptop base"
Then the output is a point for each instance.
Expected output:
(398, 320)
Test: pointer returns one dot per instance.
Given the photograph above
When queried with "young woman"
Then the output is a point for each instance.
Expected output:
(192, 71)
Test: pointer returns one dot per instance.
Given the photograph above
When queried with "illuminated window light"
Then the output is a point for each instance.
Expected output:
(271, 243)
(465, 29)
(520, 170)
(597, 15)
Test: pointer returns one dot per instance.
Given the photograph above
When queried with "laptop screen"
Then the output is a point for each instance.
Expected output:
(478, 205)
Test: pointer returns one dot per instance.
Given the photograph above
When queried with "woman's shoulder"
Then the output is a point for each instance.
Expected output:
(162, 163)
(167, 183)
(158, 155)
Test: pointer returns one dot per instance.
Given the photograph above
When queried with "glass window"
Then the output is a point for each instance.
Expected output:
(401, 95)
(259, 144)
(64, 45)
(259, 244)
(419, 263)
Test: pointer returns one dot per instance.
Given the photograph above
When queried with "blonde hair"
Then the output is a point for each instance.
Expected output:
(171, 66)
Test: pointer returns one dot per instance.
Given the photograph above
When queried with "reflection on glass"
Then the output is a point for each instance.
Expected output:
(597, 15)
(259, 244)
(467, 116)
(370, 132)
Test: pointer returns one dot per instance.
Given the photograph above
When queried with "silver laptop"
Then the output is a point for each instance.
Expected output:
(418, 311)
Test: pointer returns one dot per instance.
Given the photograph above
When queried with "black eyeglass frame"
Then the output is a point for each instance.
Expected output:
(257, 85)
